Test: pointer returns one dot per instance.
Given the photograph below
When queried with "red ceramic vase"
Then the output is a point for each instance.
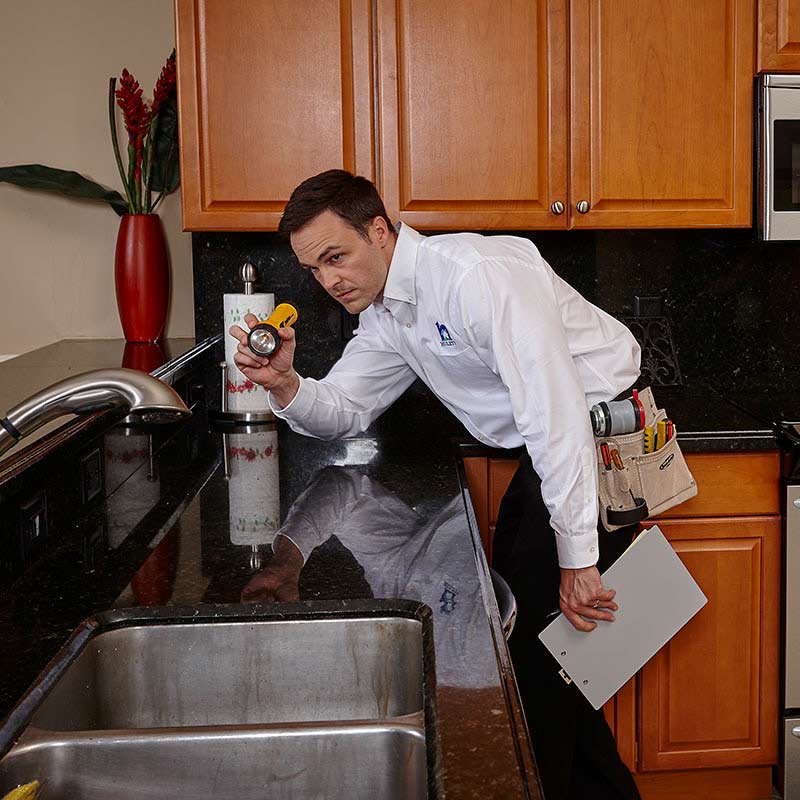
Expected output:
(141, 269)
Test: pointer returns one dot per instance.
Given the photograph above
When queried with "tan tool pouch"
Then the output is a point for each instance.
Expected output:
(649, 483)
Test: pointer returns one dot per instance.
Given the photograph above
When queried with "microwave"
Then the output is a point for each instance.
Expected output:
(779, 157)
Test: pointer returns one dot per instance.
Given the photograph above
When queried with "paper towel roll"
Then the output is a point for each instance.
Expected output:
(253, 487)
(243, 394)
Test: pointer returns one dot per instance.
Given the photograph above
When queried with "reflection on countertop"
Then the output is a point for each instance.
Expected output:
(383, 548)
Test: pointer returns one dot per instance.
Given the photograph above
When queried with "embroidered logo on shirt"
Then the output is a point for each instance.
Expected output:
(448, 598)
(444, 335)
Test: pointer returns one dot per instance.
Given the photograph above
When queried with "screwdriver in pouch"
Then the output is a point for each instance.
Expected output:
(606, 454)
(263, 338)
(661, 434)
(623, 474)
(649, 438)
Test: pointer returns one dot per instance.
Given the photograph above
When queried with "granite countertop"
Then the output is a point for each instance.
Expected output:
(381, 516)
(190, 510)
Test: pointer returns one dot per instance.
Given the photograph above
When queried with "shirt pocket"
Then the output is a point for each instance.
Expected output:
(453, 351)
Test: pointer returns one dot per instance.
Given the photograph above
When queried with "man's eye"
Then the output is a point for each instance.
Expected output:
(334, 259)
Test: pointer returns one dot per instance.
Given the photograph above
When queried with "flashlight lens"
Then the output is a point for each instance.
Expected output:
(263, 342)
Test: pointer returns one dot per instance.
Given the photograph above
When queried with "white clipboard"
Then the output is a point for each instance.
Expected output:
(656, 595)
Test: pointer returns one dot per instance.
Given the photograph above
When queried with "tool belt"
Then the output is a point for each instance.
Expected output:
(635, 484)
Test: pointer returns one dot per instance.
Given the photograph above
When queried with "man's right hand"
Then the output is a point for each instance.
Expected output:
(279, 582)
(277, 373)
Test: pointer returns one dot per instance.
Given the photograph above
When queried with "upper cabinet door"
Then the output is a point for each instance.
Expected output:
(269, 95)
(779, 36)
(661, 115)
(473, 112)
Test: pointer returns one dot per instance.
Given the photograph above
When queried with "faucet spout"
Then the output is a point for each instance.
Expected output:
(93, 391)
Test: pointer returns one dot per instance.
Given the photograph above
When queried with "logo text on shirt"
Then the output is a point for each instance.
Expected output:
(444, 335)
(448, 598)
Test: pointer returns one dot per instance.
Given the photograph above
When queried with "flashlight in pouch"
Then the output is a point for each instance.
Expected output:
(263, 338)
(617, 417)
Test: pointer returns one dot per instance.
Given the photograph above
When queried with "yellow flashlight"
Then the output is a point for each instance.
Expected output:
(263, 338)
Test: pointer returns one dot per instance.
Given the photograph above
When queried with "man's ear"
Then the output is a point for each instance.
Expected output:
(382, 231)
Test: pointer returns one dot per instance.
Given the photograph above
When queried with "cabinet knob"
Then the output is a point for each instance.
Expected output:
(796, 731)
(557, 207)
(796, 503)
(582, 206)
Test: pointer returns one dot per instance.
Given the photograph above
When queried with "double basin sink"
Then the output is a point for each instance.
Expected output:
(230, 707)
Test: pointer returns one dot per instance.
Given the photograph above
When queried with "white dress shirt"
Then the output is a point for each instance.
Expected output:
(510, 348)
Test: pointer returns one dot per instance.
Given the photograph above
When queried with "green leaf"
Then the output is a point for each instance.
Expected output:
(71, 184)
(166, 174)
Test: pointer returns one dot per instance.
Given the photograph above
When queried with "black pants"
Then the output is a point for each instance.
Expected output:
(575, 750)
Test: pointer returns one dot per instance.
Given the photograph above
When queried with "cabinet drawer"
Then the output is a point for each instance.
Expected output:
(732, 484)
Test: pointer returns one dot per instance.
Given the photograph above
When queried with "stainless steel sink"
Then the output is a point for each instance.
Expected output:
(240, 673)
(354, 761)
(231, 705)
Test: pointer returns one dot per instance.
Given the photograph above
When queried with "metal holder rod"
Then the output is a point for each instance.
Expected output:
(225, 462)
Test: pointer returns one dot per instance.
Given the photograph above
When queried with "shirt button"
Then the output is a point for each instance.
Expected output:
(592, 549)
(410, 299)
(408, 324)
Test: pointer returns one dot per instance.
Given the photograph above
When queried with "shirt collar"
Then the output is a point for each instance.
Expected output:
(401, 280)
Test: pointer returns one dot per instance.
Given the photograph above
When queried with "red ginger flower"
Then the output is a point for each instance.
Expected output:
(129, 99)
(137, 116)
(165, 85)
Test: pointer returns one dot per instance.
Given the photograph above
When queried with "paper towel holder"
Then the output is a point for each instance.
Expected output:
(227, 417)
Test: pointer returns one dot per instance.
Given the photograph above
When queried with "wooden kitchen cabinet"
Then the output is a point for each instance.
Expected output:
(661, 113)
(269, 95)
(473, 112)
(709, 698)
(473, 100)
(470, 114)
(708, 701)
(779, 36)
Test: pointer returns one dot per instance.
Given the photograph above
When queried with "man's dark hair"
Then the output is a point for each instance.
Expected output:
(353, 198)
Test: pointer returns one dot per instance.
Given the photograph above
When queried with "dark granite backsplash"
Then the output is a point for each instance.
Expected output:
(731, 300)
(217, 259)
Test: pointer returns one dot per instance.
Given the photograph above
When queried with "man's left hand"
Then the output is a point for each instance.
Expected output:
(582, 596)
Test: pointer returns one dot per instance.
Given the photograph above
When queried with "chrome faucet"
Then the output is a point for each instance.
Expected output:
(145, 395)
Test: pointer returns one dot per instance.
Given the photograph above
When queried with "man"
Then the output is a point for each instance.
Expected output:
(519, 357)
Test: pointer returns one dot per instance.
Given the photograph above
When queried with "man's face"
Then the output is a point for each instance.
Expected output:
(351, 269)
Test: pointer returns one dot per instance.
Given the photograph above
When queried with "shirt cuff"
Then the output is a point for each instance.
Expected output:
(577, 552)
(294, 541)
(298, 407)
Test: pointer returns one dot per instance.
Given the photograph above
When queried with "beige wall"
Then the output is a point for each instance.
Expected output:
(57, 254)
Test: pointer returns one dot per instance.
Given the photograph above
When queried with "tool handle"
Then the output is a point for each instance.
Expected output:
(284, 315)
(661, 434)
(606, 455)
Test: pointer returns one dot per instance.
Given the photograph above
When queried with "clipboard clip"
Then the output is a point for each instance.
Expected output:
(566, 678)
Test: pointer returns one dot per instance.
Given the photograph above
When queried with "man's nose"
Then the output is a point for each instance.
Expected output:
(329, 279)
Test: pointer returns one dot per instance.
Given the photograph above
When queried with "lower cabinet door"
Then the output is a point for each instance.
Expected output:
(620, 712)
(709, 698)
